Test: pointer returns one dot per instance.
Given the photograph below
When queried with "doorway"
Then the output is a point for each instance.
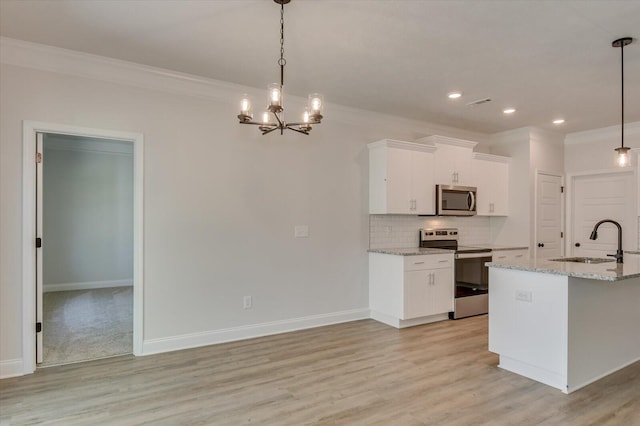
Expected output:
(602, 196)
(85, 198)
(34, 240)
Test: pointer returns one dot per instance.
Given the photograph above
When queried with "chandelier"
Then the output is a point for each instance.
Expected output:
(272, 117)
(623, 151)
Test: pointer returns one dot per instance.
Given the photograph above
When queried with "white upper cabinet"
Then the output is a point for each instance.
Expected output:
(453, 159)
(401, 178)
(491, 177)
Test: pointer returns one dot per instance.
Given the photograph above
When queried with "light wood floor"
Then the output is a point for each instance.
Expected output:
(355, 373)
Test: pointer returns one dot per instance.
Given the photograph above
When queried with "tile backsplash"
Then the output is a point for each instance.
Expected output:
(401, 231)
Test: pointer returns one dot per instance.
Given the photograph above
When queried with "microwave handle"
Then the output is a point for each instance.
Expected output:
(472, 201)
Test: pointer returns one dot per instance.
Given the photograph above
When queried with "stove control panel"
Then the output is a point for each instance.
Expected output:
(439, 234)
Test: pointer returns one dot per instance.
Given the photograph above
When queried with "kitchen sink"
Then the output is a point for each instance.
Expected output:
(583, 259)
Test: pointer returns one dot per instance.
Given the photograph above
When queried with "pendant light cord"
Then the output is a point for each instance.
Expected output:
(622, 93)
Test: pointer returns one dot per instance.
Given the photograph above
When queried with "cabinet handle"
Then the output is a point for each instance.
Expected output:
(443, 261)
(431, 279)
(520, 255)
(418, 263)
(502, 257)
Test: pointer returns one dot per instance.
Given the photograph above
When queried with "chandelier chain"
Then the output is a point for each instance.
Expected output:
(282, 61)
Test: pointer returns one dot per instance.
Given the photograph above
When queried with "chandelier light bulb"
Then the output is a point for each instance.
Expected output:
(245, 105)
(454, 95)
(265, 117)
(315, 106)
(305, 116)
(275, 95)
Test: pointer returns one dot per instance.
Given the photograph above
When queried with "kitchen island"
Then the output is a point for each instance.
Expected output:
(564, 324)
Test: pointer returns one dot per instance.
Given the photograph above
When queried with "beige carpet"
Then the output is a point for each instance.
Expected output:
(82, 325)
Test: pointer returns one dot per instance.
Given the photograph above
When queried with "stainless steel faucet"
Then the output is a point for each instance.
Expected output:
(594, 236)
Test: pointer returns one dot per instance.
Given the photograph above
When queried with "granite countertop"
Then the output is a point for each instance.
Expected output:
(416, 251)
(609, 271)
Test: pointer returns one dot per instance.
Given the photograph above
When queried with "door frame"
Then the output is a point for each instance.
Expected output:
(570, 189)
(29, 130)
(533, 242)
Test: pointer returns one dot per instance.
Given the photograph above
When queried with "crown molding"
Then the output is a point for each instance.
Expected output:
(631, 133)
(491, 157)
(412, 146)
(70, 62)
(445, 140)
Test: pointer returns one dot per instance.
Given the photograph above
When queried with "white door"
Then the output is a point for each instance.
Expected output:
(598, 197)
(548, 216)
(39, 192)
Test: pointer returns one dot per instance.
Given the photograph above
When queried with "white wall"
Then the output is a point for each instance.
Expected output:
(88, 213)
(593, 151)
(514, 229)
(530, 149)
(221, 201)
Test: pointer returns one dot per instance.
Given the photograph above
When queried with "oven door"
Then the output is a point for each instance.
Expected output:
(471, 284)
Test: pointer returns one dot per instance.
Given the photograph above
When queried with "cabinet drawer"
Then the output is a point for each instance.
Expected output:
(429, 261)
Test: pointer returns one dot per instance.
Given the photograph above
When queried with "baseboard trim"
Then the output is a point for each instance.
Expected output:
(89, 285)
(194, 340)
(11, 368)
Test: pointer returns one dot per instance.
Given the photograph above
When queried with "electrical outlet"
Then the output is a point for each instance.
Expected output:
(247, 302)
(524, 295)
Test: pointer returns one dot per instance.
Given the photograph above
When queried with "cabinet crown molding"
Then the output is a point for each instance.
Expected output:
(392, 143)
(490, 157)
(445, 140)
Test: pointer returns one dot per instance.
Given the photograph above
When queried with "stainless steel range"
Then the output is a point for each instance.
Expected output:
(471, 276)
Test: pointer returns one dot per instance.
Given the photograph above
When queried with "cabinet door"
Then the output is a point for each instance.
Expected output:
(422, 184)
(399, 181)
(492, 180)
(453, 165)
(416, 293)
(441, 291)
(445, 166)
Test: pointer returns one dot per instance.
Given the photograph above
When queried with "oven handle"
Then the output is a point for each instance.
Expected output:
(474, 255)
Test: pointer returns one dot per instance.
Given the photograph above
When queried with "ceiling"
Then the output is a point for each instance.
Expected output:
(547, 59)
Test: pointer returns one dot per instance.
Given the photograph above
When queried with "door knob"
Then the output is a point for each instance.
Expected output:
(540, 244)
(577, 244)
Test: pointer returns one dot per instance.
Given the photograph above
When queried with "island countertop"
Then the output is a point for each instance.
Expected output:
(609, 271)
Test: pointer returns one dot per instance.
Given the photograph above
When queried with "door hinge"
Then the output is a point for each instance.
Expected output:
(38, 242)
(38, 327)
(562, 189)
(38, 157)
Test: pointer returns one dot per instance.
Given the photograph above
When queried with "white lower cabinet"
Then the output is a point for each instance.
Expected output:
(410, 290)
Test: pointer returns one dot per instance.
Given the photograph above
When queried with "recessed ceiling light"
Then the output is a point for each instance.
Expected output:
(558, 121)
(454, 95)
(509, 110)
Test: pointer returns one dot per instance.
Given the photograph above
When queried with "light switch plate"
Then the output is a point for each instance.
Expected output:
(301, 231)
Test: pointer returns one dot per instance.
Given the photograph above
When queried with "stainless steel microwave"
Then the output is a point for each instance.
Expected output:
(453, 200)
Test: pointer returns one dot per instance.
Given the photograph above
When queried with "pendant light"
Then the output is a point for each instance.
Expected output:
(623, 151)
(272, 118)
